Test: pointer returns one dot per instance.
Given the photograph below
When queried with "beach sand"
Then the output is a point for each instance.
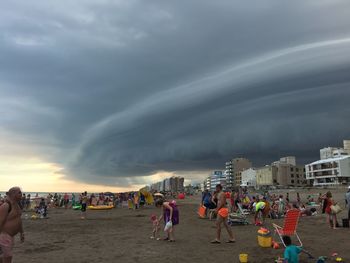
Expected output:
(122, 235)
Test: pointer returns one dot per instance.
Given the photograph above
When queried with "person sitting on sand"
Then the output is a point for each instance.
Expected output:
(291, 253)
(170, 214)
(222, 215)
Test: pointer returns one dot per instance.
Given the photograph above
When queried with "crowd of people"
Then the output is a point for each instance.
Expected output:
(274, 206)
(220, 203)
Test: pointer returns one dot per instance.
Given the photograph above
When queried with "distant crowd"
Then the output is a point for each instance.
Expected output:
(275, 206)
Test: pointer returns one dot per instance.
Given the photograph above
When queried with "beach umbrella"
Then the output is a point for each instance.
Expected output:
(158, 195)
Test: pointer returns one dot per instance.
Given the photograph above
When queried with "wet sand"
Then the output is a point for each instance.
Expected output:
(122, 235)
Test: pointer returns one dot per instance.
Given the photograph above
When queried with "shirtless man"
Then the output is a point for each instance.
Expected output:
(10, 223)
(222, 215)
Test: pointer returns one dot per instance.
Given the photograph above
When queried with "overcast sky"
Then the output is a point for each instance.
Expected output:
(113, 92)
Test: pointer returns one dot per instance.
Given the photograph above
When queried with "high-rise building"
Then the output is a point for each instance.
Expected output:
(217, 177)
(233, 172)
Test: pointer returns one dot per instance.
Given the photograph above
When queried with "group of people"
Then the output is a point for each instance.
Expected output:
(269, 205)
(221, 203)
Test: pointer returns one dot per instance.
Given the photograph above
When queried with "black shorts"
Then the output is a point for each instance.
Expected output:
(83, 207)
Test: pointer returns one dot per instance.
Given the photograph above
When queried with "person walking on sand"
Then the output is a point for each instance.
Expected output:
(331, 218)
(222, 215)
(84, 201)
(10, 223)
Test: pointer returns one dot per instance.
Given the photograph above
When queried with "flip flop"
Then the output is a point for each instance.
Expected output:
(231, 241)
(215, 241)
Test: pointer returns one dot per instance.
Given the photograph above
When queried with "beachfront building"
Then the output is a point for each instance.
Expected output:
(332, 152)
(233, 171)
(217, 177)
(282, 173)
(331, 171)
(172, 184)
(249, 178)
(289, 173)
(333, 168)
(206, 183)
(266, 176)
(157, 187)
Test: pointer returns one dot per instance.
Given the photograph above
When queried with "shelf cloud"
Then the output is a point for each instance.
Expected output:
(117, 91)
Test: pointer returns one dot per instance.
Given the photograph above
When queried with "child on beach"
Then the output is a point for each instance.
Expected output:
(156, 227)
(291, 253)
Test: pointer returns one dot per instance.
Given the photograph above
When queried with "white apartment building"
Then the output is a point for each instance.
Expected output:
(331, 171)
(333, 168)
(249, 178)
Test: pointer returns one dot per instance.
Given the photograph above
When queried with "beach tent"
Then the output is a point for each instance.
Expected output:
(181, 196)
(148, 197)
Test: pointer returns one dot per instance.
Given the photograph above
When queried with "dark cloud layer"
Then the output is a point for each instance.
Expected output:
(115, 90)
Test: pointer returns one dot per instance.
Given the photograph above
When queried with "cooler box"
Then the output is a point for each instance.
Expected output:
(264, 238)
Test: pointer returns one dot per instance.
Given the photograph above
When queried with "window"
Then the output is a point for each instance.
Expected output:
(292, 175)
(292, 181)
(297, 169)
(291, 169)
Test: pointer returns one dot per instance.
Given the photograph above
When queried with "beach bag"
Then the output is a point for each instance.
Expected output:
(168, 226)
(336, 209)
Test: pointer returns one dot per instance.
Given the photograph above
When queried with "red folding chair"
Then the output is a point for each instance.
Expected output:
(290, 226)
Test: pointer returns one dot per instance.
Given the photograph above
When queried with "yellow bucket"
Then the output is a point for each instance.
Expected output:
(243, 258)
(265, 241)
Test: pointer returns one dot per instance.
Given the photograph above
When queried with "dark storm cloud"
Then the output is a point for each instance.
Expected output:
(116, 90)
